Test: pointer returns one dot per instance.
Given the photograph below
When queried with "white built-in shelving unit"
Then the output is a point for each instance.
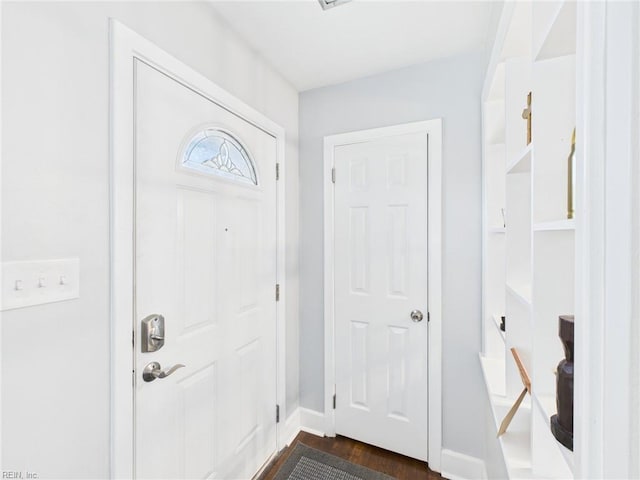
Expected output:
(529, 243)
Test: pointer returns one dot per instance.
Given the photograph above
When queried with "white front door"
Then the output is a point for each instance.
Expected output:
(205, 259)
(380, 278)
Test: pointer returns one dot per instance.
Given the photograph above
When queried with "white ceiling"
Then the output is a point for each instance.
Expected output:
(312, 47)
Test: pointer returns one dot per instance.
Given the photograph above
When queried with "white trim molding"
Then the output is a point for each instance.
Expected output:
(1, 259)
(313, 422)
(607, 272)
(125, 46)
(291, 428)
(326, 424)
(458, 466)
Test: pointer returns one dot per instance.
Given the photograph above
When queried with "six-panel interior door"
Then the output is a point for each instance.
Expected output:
(380, 278)
(205, 253)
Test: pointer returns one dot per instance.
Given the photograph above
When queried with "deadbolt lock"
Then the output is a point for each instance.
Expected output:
(152, 333)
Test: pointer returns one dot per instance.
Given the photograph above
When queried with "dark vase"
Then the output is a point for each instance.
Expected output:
(562, 422)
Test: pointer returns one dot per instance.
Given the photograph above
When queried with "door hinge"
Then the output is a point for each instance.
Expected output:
(277, 292)
(334, 401)
(277, 171)
(333, 174)
(277, 413)
(133, 339)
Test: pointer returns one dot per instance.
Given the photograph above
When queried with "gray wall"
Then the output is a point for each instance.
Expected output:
(448, 89)
(55, 201)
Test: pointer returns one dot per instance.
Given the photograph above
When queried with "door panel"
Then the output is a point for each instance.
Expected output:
(196, 262)
(206, 260)
(359, 365)
(380, 277)
(359, 249)
(398, 270)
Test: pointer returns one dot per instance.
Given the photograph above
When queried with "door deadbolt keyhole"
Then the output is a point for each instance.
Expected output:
(152, 333)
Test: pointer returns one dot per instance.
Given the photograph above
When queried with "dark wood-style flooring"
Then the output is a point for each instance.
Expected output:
(393, 464)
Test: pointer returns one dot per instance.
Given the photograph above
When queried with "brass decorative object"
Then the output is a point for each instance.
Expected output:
(526, 115)
(571, 177)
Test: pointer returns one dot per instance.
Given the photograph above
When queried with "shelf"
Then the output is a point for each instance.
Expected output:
(494, 122)
(558, 27)
(517, 40)
(569, 224)
(496, 322)
(516, 442)
(496, 92)
(546, 407)
(528, 274)
(493, 371)
(521, 292)
(522, 162)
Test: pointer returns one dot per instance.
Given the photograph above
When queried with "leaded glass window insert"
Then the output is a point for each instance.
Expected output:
(216, 152)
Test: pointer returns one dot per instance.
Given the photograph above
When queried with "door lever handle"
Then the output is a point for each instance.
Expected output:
(153, 370)
(166, 373)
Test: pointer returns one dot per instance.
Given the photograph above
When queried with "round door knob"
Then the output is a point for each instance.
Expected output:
(416, 316)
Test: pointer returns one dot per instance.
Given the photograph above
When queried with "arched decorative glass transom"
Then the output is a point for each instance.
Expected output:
(216, 152)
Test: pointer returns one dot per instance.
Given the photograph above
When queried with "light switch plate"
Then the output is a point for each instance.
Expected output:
(25, 284)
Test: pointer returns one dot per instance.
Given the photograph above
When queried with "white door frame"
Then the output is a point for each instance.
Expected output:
(1, 259)
(607, 302)
(125, 46)
(434, 255)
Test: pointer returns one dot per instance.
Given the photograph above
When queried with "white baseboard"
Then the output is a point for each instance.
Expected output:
(454, 465)
(291, 428)
(312, 422)
(302, 419)
(458, 466)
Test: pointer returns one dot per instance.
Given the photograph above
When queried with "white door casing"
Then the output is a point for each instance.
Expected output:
(220, 340)
(385, 199)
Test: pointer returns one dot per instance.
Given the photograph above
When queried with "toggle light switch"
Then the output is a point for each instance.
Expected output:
(25, 284)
